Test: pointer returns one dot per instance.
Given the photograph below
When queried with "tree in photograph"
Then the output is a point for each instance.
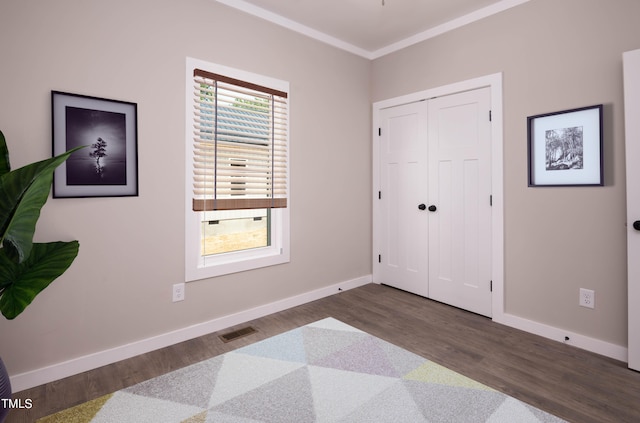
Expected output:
(573, 141)
(99, 151)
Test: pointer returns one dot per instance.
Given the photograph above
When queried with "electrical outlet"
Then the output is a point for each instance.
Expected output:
(178, 292)
(587, 298)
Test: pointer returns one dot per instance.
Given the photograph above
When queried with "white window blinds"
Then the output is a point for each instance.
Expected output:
(240, 144)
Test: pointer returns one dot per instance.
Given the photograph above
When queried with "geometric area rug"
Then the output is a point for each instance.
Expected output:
(326, 371)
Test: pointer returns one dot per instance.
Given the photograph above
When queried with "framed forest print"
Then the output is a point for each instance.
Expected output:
(565, 148)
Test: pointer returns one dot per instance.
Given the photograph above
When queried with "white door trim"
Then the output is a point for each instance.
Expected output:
(631, 64)
(494, 82)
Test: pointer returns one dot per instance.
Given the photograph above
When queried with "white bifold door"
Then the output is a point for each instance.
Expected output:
(434, 199)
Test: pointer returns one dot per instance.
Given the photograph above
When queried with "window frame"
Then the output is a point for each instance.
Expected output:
(196, 266)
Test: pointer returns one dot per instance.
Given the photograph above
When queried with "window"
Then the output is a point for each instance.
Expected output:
(237, 215)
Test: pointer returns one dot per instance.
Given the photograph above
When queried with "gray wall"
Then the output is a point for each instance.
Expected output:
(554, 55)
(132, 249)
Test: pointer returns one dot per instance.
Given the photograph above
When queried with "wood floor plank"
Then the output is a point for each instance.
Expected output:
(573, 384)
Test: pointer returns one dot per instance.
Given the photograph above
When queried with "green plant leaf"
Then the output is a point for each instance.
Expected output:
(23, 192)
(21, 282)
(5, 166)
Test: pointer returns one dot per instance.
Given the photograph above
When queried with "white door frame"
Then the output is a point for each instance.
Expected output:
(631, 64)
(494, 82)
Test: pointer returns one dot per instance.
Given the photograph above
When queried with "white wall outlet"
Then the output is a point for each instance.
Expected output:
(178, 292)
(587, 298)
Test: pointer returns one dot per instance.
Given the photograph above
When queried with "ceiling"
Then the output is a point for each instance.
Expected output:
(370, 28)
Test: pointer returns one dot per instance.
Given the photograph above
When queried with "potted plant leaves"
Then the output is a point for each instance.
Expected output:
(26, 268)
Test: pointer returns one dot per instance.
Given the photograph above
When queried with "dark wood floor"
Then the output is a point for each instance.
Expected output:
(576, 385)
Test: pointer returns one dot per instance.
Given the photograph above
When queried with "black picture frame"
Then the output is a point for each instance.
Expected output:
(108, 167)
(566, 148)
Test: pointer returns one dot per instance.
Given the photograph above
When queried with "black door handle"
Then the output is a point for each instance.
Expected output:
(432, 208)
(422, 207)
(636, 225)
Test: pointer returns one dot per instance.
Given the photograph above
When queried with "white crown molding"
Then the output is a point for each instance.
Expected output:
(479, 14)
(448, 26)
(259, 12)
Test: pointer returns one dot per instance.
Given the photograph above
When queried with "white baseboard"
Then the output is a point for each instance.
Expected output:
(597, 346)
(58, 371)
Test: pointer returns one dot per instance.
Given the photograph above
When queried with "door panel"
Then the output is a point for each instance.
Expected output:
(632, 141)
(403, 150)
(460, 188)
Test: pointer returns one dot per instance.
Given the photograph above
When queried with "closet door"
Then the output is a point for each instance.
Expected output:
(434, 201)
(631, 61)
(403, 258)
(460, 198)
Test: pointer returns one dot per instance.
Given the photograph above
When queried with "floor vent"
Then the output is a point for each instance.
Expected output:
(232, 336)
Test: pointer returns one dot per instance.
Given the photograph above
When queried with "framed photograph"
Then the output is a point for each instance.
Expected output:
(108, 166)
(565, 148)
